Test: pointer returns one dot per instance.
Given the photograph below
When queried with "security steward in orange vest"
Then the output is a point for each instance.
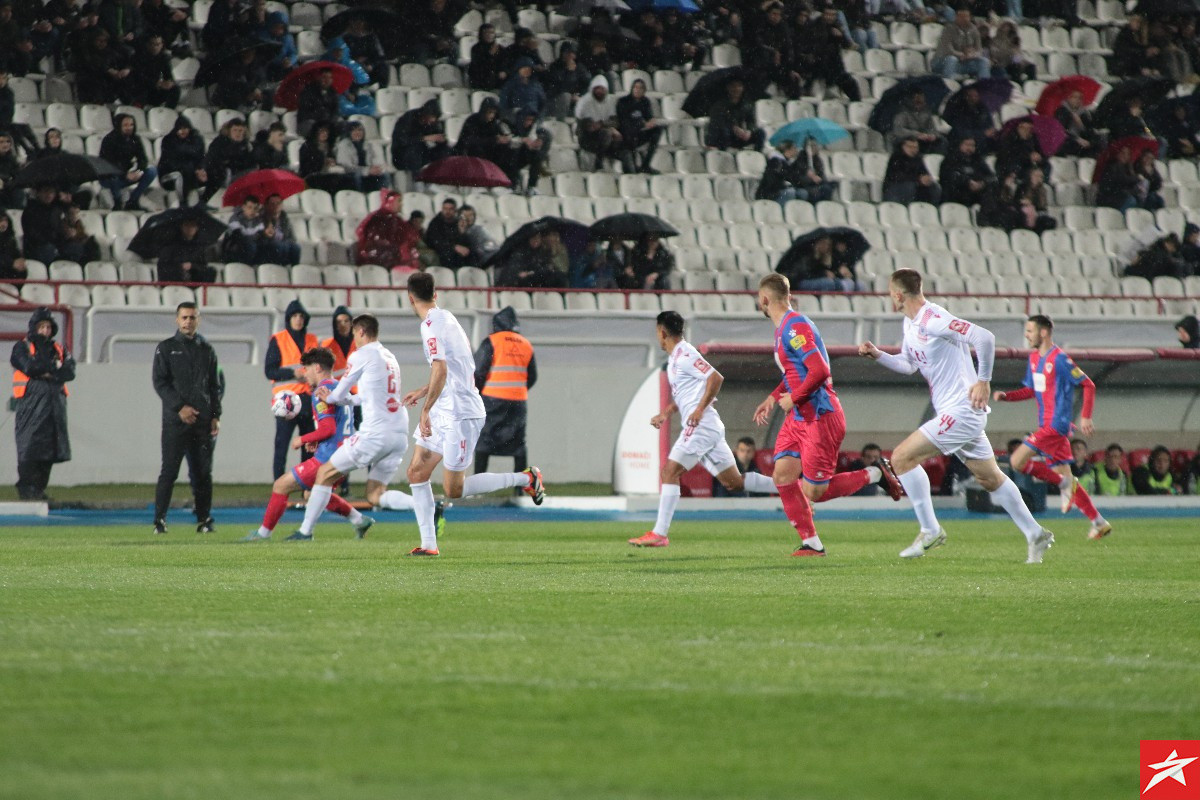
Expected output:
(505, 370)
(283, 370)
(41, 369)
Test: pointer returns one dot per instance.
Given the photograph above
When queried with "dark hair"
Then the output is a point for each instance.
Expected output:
(421, 286)
(748, 440)
(467, 207)
(251, 198)
(1042, 321)
(367, 324)
(907, 280)
(671, 322)
(451, 201)
(1114, 446)
(1013, 444)
(870, 446)
(1078, 441)
(321, 356)
(183, 305)
(417, 215)
(1158, 449)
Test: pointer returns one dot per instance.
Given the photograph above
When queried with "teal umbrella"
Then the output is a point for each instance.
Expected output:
(824, 131)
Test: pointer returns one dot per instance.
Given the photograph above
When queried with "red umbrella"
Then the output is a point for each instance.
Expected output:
(1137, 146)
(1055, 93)
(288, 93)
(262, 184)
(1048, 130)
(464, 171)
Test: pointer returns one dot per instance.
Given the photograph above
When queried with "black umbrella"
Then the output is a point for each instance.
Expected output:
(574, 235)
(602, 28)
(1156, 9)
(162, 229)
(1150, 90)
(892, 101)
(711, 88)
(227, 57)
(380, 21)
(856, 247)
(630, 226)
(65, 170)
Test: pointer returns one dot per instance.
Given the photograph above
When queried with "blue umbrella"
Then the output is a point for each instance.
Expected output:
(682, 6)
(824, 131)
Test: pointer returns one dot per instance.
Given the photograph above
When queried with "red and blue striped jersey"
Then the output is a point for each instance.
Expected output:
(343, 424)
(1053, 379)
(796, 341)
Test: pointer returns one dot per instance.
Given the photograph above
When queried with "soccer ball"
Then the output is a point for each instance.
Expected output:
(286, 405)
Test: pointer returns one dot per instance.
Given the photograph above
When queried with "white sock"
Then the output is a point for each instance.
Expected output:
(396, 500)
(916, 485)
(354, 517)
(759, 484)
(486, 482)
(318, 498)
(814, 542)
(667, 500)
(422, 496)
(263, 531)
(1008, 497)
(874, 474)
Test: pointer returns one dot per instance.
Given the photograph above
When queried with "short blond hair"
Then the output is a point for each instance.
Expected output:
(777, 285)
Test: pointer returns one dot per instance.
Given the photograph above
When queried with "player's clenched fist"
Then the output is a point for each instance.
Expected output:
(997, 396)
(657, 420)
(869, 350)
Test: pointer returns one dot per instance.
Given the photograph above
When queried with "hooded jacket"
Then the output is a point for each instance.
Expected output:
(272, 363)
(478, 135)
(410, 130)
(519, 94)
(126, 153)
(589, 108)
(341, 346)
(184, 155)
(41, 418)
(1192, 325)
(505, 320)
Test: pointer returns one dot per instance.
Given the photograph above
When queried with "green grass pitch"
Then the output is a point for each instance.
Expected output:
(551, 660)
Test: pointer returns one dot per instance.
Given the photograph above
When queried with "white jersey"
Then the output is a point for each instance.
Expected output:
(444, 340)
(374, 370)
(687, 373)
(938, 344)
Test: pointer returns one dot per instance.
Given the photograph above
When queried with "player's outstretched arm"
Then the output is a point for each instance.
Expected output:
(1013, 395)
(900, 363)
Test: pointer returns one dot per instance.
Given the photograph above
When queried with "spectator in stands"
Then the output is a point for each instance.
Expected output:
(744, 454)
(227, 158)
(445, 237)
(270, 147)
(419, 138)
(773, 52)
(589, 268)
(166, 21)
(1190, 479)
(566, 81)
(22, 134)
(531, 266)
(532, 149)
(795, 174)
(275, 31)
(244, 85)
(184, 260)
(1155, 477)
(338, 53)
(486, 71)
(41, 369)
(731, 121)
(1189, 249)
(11, 195)
(433, 30)
(967, 116)
(1129, 121)
(123, 21)
(318, 161)
(1082, 137)
(916, 121)
(907, 179)
(357, 100)
(1149, 187)
(1020, 152)
(1007, 58)
(596, 114)
(856, 24)
(1179, 131)
(1160, 259)
(1119, 183)
(1081, 462)
(387, 239)
(480, 242)
(52, 231)
(181, 162)
(522, 91)
(153, 77)
(102, 74)
(598, 61)
(824, 268)
(123, 148)
(360, 162)
(222, 24)
(484, 135)
(1033, 203)
(1108, 478)
(76, 243)
(318, 104)
(649, 267)
(639, 128)
(820, 57)
(525, 46)
(12, 264)
(16, 46)
(245, 230)
(869, 456)
(1188, 331)
(682, 37)
(959, 49)
(965, 175)
(278, 244)
(364, 47)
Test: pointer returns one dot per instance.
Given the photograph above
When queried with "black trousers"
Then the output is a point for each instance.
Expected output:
(195, 443)
(32, 479)
(285, 429)
(520, 460)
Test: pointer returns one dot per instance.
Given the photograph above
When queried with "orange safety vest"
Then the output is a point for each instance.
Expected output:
(339, 359)
(289, 358)
(21, 380)
(511, 354)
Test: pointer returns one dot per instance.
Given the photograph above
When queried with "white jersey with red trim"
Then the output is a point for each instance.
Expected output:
(937, 343)
(373, 369)
(444, 339)
(687, 373)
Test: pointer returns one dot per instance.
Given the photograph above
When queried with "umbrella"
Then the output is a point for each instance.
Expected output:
(214, 65)
(682, 6)
(161, 229)
(574, 235)
(1155, 9)
(64, 170)
(1048, 131)
(581, 8)
(1055, 93)
(630, 226)
(993, 93)
(262, 184)
(711, 88)
(1151, 91)
(1161, 115)
(288, 93)
(889, 105)
(856, 246)
(379, 21)
(602, 28)
(464, 171)
(1136, 144)
(824, 131)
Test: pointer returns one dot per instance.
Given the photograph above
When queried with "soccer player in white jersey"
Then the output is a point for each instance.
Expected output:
(381, 441)
(939, 345)
(694, 386)
(451, 418)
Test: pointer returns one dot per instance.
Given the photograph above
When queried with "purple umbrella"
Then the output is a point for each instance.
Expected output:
(993, 93)
(1048, 130)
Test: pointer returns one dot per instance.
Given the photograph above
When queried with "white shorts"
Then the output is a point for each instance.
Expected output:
(704, 445)
(961, 433)
(454, 439)
(379, 454)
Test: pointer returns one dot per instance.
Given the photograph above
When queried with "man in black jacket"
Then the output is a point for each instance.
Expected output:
(41, 369)
(184, 259)
(318, 103)
(181, 162)
(965, 175)
(419, 138)
(187, 379)
(635, 120)
(123, 148)
(820, 58)
(153, 75)
(446, 237)
(731, 121)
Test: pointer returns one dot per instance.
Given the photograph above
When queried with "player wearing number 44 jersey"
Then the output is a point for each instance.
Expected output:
(451, 418)
(694, 386)
(1051, 378)
(939, 345)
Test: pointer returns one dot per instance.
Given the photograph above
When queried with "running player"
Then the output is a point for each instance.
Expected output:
(1052, 377)
(939, 345)
(451, 418)
(332, 424)
(806, 449)
(694, 386)
(382, 440)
